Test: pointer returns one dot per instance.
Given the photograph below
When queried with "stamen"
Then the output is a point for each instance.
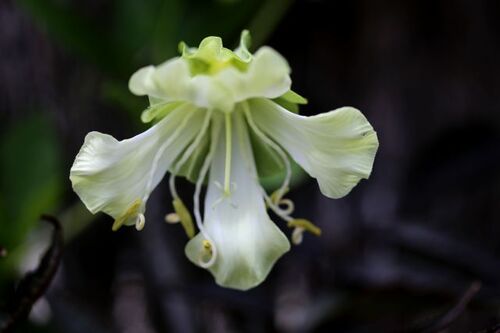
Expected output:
(279, 202)
(160, 151)
(140, 222)
(171, 185)
(131, 211)
(207, 255)
(172, 218)
(214, 138)
(181, 212)
(189, 151)
(185, 217)
(276, 196)
(278, 211)
(297, 235)
(227, 167)
(286, 182)
(306, 225)
(290, 206)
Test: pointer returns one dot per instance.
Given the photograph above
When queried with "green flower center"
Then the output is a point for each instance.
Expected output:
(211, 56)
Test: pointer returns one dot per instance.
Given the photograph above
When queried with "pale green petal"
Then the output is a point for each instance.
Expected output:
(247, 242)
(110, 175)
(172, 79)
(242, 50)
(337, 148)
(267, 76)
(172, 82)
(142, 83)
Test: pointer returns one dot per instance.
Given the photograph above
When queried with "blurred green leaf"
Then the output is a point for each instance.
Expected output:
(266, 19)
(31, 181)
(77, 33)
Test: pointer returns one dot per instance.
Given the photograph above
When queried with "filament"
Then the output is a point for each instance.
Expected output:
(160, 151)
(188, 152)
(284, 186)
(196, 200)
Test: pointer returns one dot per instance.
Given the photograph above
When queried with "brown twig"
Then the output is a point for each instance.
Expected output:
(494, 329)
(35, 283)
(447, 319)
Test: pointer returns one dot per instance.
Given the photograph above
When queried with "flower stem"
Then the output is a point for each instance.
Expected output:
(227, 171)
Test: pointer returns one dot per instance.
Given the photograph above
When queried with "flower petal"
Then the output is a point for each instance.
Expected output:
(267, 76)
(247, 242)
(337, 148)
(111, 176)
(141, 82)
(172, 81)
(242, 50)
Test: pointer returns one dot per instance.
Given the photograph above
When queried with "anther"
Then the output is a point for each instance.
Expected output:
(207, 245)
(305, 225)
(297, 235)
(140, 222)
(131, 211)
(184, 217)
(207, 255)
(172, 218)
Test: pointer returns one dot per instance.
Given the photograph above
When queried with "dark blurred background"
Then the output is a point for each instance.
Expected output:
(413, 249)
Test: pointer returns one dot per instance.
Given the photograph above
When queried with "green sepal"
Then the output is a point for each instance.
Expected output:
(158, 111)
(291, 101)
(292, 97)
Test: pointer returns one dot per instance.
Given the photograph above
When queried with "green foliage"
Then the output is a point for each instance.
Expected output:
(140, 32)
(137, 33)
(30, 182)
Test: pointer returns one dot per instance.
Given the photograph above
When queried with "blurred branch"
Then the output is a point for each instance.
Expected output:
(437, 246)
(35, 283)
(455, 312)
(494, 329)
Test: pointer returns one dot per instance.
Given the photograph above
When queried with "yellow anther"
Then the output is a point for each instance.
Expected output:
(306, 225)
(184, 216)
(172, 218)
(207, 245)
(131, 211)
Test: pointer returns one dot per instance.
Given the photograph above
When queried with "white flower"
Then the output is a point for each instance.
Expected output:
(226, 115)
